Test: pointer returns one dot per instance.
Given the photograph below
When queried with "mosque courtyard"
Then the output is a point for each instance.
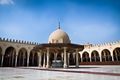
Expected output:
(83, 73)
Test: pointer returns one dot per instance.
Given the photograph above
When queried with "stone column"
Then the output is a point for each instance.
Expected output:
(65, 57)
(28, 58)
(100, 56)
(116, 55)
(81, 57)
(95, 56)
(2, 60)
(47, 58)
(3, 53)
(44, 60)
(77, 60)
(111, 52)
(12, 55)
(55, 56)
(40, 57)
(90, 57)
(62, 56)
(33, 58)
(16, 56)
(104, 55)
(68, 59)
(23, 59)
(16, 60)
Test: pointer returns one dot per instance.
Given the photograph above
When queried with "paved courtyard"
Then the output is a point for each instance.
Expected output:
(35, 73)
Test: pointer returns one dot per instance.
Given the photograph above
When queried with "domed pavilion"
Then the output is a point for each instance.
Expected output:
(57, 49)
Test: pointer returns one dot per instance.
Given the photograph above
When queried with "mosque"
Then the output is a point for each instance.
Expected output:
(17, 53)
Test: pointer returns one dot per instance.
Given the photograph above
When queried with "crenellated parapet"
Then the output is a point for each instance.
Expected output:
(18, 41)
(103, 44)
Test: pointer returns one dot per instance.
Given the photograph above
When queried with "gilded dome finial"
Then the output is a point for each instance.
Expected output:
(59, 25)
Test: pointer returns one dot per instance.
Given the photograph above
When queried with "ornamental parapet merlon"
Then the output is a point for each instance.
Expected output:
(18, 41)
(103, 44)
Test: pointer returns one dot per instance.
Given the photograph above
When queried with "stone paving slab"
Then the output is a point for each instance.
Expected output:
(98, 70)
(33, 73)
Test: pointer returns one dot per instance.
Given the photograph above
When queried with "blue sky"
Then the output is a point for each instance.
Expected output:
(85, 21)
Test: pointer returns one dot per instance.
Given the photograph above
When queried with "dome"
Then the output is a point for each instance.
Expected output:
(58, 36)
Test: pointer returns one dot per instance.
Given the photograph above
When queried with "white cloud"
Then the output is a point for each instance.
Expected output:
(6, 2)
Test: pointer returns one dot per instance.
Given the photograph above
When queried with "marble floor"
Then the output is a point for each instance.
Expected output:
(33, 73)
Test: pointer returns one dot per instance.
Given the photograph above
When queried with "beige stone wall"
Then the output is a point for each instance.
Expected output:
(100, 47)
(28, 46)
(4, 44)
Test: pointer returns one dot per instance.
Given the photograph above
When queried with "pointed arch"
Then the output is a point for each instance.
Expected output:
(85, 57)
(33, 58)
(22, 57)
(71, 59)
(51, 58)
(59, 57)
(95, 56)
(9, 57)
(116, 54)
(0, 55)
(79, 57)
(42, 59)
(106, 55)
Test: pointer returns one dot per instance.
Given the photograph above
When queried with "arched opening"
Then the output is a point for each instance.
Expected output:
(116, 54)
(95, 56)
(51, 58)
(79, 57)
(71, 59)
(33, 58)
(22, 57)
(36, 58)
(0, 56)
(44, 59)
(106, 56)
(59, 57)
(85, 57)
(9, 57)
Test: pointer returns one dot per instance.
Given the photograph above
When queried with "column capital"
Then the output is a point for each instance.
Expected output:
(40, 51)
(76, 49)
(47, 48)
(65, 47)
(3, 54)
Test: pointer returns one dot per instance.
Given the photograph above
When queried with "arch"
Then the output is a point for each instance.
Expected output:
(42, 59)
(59, 56)
(0, 55)
(85, 57)
(51, 58)
(116, 54)
(79, 57)
(33, 58)
(22, 57)
(71, 59)
(106, 55)
(95, 56)
(9, 57)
